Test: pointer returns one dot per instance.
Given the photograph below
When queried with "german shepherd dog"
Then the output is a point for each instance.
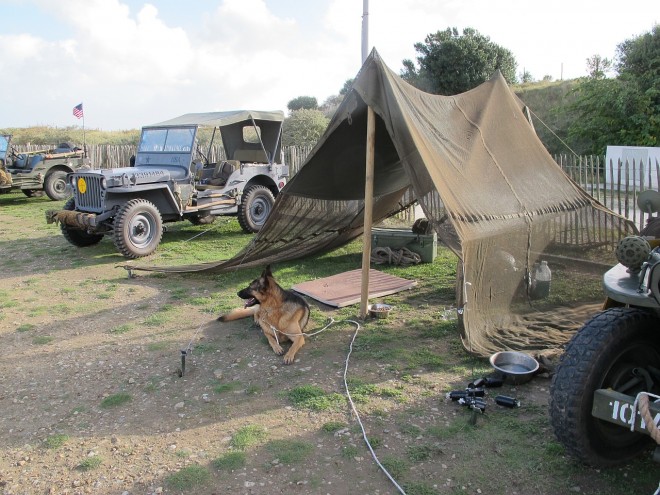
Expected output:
(282, 314)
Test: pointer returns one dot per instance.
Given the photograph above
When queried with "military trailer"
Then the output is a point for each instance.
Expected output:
(173, 178)
(42, 171)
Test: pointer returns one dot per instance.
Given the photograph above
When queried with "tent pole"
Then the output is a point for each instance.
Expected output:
(368, 210)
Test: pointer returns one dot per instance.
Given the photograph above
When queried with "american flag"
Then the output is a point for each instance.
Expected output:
(78, 111)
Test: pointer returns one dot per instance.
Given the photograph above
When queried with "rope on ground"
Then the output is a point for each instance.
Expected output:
(357, 416)
(386, 255)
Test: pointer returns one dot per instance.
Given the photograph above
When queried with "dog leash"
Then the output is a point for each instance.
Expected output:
(276, 331)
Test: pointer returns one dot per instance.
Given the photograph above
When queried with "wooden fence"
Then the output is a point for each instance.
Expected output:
(615, 185)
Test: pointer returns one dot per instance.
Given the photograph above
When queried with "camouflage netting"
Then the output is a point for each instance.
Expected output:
(488, 187)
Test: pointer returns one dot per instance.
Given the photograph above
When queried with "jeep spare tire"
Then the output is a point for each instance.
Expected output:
(78, 237)
(55, 185)
(256, 204)
(138, 228)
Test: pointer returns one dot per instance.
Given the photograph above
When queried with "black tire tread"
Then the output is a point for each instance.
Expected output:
(571, 393)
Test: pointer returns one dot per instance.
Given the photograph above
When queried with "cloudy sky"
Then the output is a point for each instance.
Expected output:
(137, 62)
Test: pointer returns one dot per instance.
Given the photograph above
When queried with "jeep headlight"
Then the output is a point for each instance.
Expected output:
(72, 182)
(104, 183)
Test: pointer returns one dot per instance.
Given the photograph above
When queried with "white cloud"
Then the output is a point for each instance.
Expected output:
(134, 62)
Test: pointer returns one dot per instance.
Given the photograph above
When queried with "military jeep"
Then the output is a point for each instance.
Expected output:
(173, 178)
(42, 171)
(604, 398)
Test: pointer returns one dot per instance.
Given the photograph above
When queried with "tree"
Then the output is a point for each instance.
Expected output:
(450, 63)
(597, 66)
(303, 102)
(625, 110)
(303, 127)
(526, 77)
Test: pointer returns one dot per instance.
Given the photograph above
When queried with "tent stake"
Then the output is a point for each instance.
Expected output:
(368, 210)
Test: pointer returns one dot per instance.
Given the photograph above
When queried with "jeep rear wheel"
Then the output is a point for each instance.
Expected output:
(256, 204)
(138, 228)
(55, 185)
(611, 350)
(78, 237)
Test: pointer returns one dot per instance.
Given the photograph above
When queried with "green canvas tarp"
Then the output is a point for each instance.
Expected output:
(487, 185)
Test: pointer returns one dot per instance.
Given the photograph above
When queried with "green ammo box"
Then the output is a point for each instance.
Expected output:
(426, 245)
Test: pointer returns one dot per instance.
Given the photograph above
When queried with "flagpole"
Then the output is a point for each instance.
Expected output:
(84, 140)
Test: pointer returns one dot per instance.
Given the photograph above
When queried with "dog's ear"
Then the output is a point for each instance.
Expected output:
(267, 272)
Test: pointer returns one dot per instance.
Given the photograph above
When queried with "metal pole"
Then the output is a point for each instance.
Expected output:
(368, 210)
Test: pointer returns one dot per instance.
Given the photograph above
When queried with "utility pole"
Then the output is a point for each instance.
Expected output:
(365, 30)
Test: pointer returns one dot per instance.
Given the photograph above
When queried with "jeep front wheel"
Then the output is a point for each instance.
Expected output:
(138, 228)
(256, 204)
(55, 185)
(78, 237)
(613, 350)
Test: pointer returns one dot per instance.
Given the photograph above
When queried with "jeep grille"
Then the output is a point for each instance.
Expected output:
(92, 198)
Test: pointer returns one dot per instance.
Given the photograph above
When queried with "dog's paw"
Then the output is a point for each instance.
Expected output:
(289, 359)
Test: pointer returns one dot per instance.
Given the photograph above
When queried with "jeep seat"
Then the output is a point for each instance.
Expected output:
(221, 173)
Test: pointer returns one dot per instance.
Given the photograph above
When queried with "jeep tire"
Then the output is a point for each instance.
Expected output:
(256, 204)
(78, 237)
(601, 355)
(138, 228)
(55, 185)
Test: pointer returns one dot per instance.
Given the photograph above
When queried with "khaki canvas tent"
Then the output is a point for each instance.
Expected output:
(487, 185)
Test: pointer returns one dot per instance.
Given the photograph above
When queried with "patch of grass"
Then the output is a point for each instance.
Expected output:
(189, 477)
(419, 489)
(90, 463)
(55, 441)
(333, 426)
(25, 327)
(247, 436)
(410, 429)
(426, 358)
(315, 398)
(202, 348)
(156, 320)
(290, 451)
(229, 461)
(226, 387)
(420, 453)
(392, 393)
(116, 400)
(349, 452)
(157, 346)
(252, 389)
(121, 329)
(43, 340)
(395, 466)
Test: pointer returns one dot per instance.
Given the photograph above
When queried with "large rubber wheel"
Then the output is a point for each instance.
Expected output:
(256, 204)
(138, 228)
(202, 220)
(33, 193)
(78, 237)
(55, 185)
(602, 355)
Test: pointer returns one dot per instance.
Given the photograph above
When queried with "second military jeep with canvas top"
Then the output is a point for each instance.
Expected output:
(173, 179)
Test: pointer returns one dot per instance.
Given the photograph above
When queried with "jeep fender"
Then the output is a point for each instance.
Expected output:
(159, 194)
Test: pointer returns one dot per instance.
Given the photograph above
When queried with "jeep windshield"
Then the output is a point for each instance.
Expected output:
(167, 140)
(4, 144)
(166, 146)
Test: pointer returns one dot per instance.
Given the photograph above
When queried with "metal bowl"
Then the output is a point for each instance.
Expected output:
(517, 367)
(379, 310)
